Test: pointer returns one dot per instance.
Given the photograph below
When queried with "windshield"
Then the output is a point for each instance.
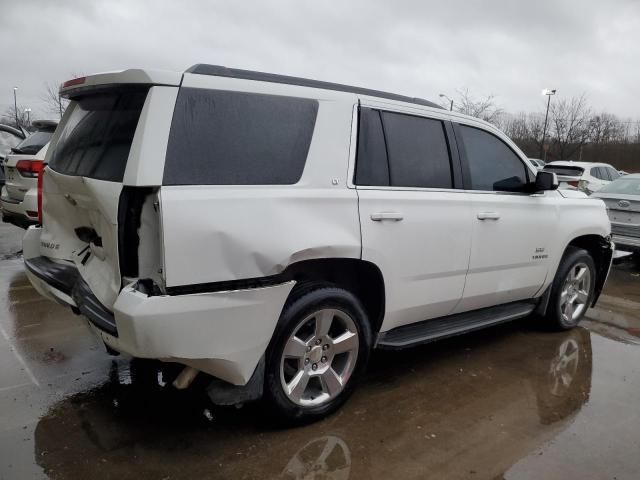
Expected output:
(627, 186)
(563, 170)
(33, 143)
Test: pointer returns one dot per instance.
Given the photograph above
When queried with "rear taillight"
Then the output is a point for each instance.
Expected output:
(40, 180)
(30, 168)
(573, 184)
(583, 185)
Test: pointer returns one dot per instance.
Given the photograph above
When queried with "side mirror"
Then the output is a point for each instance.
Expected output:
(546, 181)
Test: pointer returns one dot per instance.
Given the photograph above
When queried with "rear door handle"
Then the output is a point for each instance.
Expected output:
(488, 216)
(380, 216)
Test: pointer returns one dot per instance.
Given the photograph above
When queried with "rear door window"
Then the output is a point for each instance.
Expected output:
(401, 150)
(96, 139)
(491, 163)
(613, 173)
(418, 151)
(236, 138)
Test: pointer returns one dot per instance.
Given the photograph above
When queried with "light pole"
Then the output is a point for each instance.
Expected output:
(442, 95)
(28, 112)
(543, 151)
(15, 105)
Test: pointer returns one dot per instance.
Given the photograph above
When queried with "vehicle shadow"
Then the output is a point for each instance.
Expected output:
(475, 404)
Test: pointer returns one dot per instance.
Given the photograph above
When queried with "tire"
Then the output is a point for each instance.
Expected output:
(559, 316)
(304, 319)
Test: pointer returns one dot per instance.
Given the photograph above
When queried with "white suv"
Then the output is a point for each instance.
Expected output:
(270, 231)
(586, 176)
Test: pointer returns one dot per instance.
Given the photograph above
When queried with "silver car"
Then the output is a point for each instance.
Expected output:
(622, 198)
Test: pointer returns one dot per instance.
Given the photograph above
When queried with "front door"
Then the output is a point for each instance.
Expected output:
(511, 231)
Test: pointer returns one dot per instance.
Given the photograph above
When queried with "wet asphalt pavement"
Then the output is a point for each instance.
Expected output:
(509, 402)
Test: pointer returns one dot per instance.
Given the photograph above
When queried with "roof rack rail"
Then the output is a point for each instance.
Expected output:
(221, 71)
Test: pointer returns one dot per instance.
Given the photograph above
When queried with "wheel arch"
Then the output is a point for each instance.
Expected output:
(360, 277)
(601, 250)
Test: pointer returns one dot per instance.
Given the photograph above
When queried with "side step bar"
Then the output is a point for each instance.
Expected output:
(430, 330)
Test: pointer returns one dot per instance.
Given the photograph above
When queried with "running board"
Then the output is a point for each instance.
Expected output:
(430, 330)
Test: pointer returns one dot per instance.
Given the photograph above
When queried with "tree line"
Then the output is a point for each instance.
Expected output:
(574, 130)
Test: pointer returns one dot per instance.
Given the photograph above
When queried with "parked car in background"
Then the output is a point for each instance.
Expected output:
(622, 199)
(19, 197)
(539, 164)
(9, 138)
(344, 219)
(586, 176)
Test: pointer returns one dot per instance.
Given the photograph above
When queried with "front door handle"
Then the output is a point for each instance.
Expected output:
(380, 216)
(488, 216)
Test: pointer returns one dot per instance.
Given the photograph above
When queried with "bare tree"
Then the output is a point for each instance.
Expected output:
(484, 108)
(606, 128)
(56, 105)
(9, 117)
(570, 125)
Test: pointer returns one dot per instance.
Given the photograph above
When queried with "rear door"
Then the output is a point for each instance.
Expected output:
(83, 183)
(416, 225)
(511, 246)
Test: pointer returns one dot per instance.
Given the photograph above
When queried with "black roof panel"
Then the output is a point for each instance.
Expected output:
(220, 71)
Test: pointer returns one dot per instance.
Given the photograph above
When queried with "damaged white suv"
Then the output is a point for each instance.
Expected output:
(271, 231)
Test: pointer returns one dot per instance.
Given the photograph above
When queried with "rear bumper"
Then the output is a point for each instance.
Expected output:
(222, 333)
(15, 211)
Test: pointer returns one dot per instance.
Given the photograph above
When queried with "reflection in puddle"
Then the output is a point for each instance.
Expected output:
(325, 457)
(467, 406)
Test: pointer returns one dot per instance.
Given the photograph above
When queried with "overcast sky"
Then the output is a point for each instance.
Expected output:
(510, 49)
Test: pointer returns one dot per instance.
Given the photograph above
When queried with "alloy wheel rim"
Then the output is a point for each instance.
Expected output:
(575, 293)
(319, 357)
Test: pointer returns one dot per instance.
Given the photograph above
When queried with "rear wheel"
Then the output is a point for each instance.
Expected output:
(320, 348)
(572, 289)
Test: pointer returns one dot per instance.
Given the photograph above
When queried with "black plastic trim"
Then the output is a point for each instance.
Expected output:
(604, 268)
(66, 279)
(458, 324)
(222, 71)
(228, 285)
(454, 154)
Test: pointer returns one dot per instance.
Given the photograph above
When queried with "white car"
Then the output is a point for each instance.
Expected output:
(586, 176)
(271, 231)
(19, 196)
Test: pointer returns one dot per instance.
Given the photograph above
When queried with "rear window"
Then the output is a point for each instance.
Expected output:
(235, 138)
(97, 137)
(33, 143)
(566, 171)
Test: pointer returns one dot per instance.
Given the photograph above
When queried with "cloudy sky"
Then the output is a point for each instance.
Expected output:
(420, 48)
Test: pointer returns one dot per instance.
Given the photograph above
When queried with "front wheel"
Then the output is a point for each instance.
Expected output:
(572, 289)
(320, 348)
